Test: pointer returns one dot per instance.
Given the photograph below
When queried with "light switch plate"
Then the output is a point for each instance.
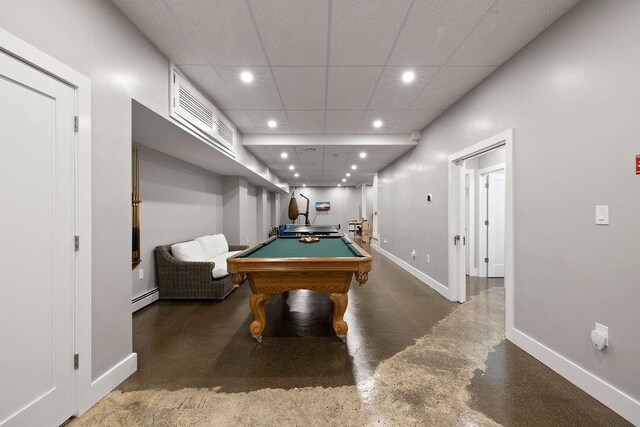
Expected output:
(602, 215)
(140, 274)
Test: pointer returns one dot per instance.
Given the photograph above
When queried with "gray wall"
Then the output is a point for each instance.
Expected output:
(252, 215)
(345, 202)
(179, 202)
(96, 40)
(572, 96)
(93, 38)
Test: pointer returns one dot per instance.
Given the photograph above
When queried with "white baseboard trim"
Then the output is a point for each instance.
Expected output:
(108, 381)
(144, 300)
(610, 396)
(433, 283)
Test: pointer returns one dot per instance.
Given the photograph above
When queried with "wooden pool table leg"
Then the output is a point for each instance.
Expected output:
(340, 302)
(256, 302)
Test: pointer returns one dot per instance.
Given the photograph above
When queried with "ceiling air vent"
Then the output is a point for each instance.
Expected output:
(193, 110)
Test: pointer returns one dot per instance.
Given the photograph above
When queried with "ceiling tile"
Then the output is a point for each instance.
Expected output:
(393, 94)
(306, 121)
(261, 118)
(153, 18)
(435, 29)
(343, 121)
(449, 85)
(261, 94)
(350, 88)
(302, 88)
(363, 31)
(388, 117)
(509, 25)
(411, 120)
(223, 29)
(294, 32)
(209, 82)
(307, 155)
(242, 120)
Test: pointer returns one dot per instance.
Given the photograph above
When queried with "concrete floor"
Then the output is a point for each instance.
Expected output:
(411, 355)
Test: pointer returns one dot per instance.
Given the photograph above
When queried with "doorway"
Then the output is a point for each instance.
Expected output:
(486, 240)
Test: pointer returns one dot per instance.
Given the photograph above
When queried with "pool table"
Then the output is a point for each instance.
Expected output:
(282, 264)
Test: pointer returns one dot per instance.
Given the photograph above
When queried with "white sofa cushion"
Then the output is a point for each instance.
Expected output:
(221, 244)
(209, 245)
(220, 269)
(188, 251)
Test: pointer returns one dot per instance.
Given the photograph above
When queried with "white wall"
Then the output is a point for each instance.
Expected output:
(179, 202)
(345, 202)
(572, 96)
(96, 40)
(369, 200)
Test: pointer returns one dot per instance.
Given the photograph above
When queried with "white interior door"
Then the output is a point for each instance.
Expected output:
(496, 228)
(37, 258)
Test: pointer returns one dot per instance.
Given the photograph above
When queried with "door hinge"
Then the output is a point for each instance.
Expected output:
(486, 185)
(486, 260)
(77, 243)
(486, 222)
(76, 361)
(76, 123)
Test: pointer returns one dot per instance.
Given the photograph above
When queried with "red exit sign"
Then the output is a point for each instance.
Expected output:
(638, 164)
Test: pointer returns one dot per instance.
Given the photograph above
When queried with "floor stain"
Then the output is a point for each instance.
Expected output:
(425, 384)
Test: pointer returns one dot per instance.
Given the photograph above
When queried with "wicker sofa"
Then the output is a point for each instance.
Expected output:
(201, 279)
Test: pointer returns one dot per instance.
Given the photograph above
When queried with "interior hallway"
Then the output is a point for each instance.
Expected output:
(197, 364)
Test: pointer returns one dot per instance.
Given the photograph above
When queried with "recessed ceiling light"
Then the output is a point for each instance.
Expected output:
(354, 167)
(363, 155)
(304, 185)
(408, 76)
(246, 76)
(284, 155)
(272, 124)
(339, 185)
(291, 167)
(344, 179)
(348, 174)
(377, 123)
(296, 174)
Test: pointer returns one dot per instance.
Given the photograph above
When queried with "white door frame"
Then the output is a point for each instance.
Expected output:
(457, 282)
(82, 85)
(471, 222)
(482, 217)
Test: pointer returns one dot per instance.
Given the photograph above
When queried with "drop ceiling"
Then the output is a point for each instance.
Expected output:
(325, 66)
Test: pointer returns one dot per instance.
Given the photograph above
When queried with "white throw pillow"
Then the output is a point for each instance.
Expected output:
(209, 245)
(188, 251)
(221, 244)
(220, 269)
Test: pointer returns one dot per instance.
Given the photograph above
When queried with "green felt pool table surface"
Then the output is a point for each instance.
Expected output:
(292, 247)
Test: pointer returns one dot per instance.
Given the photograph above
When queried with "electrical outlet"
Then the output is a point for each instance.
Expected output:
(604, 330)
(141, 274)
(385, 241)
(413, 253)
(428, 258)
